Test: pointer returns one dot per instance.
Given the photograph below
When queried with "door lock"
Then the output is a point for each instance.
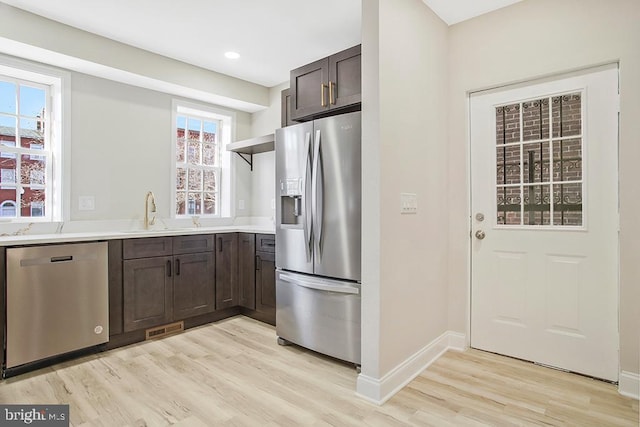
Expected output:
(480, 235)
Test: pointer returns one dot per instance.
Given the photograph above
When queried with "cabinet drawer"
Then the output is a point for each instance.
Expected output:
(265, 243)
(193, 244)
(147, 247)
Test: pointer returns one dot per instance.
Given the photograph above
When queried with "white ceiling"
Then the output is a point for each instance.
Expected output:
(271, 36)
(454, 11)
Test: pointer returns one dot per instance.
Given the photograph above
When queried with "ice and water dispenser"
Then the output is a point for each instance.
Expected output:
(291, 201)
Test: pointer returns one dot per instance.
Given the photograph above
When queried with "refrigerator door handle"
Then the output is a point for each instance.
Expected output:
(317, 196)
(307, 199)
(320, 206)
(321, 286)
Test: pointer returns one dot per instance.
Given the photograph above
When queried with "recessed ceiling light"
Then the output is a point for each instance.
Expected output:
(232, 55)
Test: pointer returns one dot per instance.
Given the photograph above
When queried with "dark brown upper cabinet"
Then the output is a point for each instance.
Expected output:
(328, 86)
(285, 111)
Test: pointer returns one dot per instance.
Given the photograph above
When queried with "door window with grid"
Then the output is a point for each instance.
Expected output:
(539, 176)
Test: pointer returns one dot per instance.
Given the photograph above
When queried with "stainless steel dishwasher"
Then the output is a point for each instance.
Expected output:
(57, 300)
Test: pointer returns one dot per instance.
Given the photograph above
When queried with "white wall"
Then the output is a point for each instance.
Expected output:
(533, 39)
(121, 148)
(264, 172)
(404, 134)
(121, 134)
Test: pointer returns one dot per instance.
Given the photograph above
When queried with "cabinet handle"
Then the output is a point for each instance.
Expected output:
(169, 268)
(258, 261)
(322, 101)
(332, 86)
(178, 267)
(219, 244)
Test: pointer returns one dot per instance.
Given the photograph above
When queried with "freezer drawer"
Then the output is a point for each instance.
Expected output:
(57, 300)
(320, 314)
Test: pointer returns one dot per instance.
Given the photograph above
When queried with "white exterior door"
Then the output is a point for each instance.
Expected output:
(544, 174)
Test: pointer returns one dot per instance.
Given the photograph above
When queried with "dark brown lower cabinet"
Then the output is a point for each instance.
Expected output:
(266, 284)
(147, 284)
(247, 271)
(163, 288)
(166, 279)
(226, 270)
(193, 285)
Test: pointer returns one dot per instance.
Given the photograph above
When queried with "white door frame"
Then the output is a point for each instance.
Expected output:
(516, 84)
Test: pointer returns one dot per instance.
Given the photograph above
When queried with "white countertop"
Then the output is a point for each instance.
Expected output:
(31, 239)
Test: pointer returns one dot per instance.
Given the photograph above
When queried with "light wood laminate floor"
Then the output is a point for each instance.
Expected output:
(233, 373)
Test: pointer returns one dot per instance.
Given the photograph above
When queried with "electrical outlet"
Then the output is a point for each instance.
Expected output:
(408, 203)
(86, 203)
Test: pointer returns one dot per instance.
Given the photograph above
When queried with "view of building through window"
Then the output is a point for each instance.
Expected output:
(197, 165)
(25, 153)
(539, 162)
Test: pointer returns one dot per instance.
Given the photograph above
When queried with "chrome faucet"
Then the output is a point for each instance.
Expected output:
(147, 223)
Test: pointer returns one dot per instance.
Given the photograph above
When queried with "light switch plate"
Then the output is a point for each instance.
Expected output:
(408, 203)
(86, 203)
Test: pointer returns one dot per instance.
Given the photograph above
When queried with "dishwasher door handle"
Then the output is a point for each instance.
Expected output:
(62, 258)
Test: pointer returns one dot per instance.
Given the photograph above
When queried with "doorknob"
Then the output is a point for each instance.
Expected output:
(480, 235)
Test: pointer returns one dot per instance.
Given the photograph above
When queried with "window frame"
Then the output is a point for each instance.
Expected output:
(224, 135)
(58, 126)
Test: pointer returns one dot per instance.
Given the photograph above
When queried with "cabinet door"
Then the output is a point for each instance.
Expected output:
(309, 89)
(115, 287)
(285, 109)
(266, 284)
(247, 271)
(345, 79)
(193, 285)
(226, 270)
(146, 292)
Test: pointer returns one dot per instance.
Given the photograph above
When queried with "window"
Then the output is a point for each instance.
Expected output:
(8, 177)
(4, 154)
(201, 165)
(37, 209)
(8, 208)
(31, 108)
(36, 147)
(539, 172)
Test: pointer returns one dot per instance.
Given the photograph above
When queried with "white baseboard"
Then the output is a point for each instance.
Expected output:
(629, 384)
(380, 390)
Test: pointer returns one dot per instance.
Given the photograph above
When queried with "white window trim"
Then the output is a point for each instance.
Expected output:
(226, 134)
(60, 127)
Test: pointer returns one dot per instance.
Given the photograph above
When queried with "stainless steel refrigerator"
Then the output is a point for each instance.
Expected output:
(318, 235)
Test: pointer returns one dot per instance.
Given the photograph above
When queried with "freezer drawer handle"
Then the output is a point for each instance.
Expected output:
(320, 286)
(61, 258)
